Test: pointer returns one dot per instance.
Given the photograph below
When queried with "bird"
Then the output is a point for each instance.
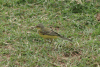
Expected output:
(48, 33)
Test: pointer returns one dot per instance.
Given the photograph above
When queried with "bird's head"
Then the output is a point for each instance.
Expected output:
(39, 26)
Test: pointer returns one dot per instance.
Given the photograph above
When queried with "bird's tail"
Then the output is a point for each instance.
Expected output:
(63, 37)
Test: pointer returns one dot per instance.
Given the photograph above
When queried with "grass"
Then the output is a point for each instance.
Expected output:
(21, 46)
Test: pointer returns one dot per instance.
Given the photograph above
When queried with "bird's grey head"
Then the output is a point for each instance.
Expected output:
(40, 26)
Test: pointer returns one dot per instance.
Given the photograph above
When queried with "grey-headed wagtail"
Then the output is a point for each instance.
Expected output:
(48, 34)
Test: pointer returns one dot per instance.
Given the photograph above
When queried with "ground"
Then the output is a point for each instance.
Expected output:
(21, 46)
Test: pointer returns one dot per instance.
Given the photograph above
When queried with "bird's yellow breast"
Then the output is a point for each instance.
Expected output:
(47, 36)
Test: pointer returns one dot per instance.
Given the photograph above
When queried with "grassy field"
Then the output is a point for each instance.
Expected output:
(21, 46)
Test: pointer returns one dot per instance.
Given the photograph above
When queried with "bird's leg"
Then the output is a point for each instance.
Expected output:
(51, 40)
(44, 40)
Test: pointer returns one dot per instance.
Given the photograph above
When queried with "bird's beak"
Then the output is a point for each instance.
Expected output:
(32, 27)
